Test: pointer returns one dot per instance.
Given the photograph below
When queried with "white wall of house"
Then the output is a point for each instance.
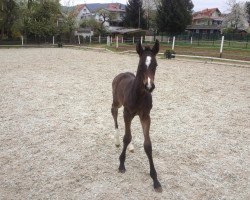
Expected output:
(215, 14)
(83, 14)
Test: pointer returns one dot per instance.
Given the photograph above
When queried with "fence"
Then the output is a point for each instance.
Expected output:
(213, 40)
(231, 46)
(234, 46)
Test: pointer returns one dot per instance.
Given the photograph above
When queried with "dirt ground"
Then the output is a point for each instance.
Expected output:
(56, 128)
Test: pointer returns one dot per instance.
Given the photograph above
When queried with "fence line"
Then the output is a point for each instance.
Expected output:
(175, 40)
(184, 44)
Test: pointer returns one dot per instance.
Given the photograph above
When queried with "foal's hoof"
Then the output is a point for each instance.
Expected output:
(159, 189)
(132, 151)
(122, 170)
(131, 148)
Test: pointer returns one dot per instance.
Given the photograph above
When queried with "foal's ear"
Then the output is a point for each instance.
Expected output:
(139, 48)
(156, 47)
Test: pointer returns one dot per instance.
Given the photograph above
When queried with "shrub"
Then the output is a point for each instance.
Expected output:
(169, 54)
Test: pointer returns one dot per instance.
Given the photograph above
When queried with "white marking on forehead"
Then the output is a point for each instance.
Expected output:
(148, 61)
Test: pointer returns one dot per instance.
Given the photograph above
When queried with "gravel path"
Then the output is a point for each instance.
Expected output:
(56, 128)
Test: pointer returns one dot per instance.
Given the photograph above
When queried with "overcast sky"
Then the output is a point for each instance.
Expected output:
(198, 4)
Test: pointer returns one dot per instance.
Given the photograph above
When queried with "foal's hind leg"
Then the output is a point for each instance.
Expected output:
(145, 121)
(114, 111)
(126, 139)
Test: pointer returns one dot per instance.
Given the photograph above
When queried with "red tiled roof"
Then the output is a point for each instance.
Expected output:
(206, 13)
(115, 7)
(77, 9)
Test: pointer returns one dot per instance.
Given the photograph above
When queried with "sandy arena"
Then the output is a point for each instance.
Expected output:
(56, 128)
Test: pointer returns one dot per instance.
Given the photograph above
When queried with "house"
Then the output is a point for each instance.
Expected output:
(110, 14)
(207, 21)
(118, 11)
(94, 11)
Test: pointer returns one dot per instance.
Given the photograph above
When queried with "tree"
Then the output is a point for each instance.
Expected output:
(150, 13)
(105, 16)
(1, 18)
(134, 15)
(94, 25)
(68, 22)
(248, 10)
(34, 18)
(237, 17)
(173, 16)
(8, 15)
(42, 18)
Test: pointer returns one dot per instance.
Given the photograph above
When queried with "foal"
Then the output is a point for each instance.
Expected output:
(134, 94)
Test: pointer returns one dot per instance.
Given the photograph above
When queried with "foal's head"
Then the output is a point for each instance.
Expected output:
(147, 64)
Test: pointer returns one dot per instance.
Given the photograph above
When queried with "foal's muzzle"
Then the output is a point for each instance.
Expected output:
(149, 87)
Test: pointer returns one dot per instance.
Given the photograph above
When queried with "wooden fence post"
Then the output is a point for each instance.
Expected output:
(221, 46)
(173, 44)
(117, 42)
(108, 40)
(79, 42)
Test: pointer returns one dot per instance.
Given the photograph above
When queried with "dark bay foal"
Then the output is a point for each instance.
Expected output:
(134, 94)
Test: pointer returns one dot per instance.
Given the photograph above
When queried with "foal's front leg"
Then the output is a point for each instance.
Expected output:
(114, 111)
(126, 139)
(145, 122)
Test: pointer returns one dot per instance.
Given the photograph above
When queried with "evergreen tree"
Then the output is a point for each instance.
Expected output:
(135, 15)
(173, 16)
